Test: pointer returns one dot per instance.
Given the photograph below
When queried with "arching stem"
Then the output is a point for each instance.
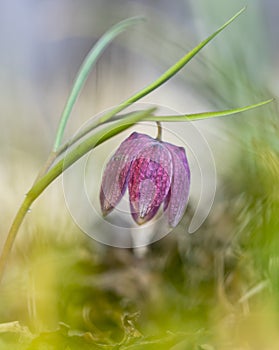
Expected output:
(159, 134)
(23, 210)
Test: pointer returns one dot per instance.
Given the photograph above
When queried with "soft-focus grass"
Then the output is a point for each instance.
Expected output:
(216, 289)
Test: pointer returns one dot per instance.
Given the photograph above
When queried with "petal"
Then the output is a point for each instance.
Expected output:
(149, 181)
(178, 196)
(142, 209)
(114, 181)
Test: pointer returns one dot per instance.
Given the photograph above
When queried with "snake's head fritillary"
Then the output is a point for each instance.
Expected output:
(154, 171)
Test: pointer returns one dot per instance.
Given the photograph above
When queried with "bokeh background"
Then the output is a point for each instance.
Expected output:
(215, 289)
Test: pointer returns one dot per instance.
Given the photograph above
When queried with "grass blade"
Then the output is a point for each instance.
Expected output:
(205, 115)
(85, 69)
(168, 74)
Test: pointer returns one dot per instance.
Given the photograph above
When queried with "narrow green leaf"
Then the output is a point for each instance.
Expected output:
(204, 115)
(167, 75)
(168, 118)
(85, 69)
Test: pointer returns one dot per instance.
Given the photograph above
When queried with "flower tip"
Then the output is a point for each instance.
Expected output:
(105, 212)
(106, 207)
(141, 220)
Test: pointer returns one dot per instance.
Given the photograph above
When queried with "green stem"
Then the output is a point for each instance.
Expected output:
(52, 157)
(159, 134)
(45, 180)
(28, 200)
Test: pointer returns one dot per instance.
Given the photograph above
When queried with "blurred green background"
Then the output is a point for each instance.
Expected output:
(215, 289)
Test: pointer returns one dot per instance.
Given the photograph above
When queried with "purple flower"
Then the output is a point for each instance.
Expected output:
(155, 172)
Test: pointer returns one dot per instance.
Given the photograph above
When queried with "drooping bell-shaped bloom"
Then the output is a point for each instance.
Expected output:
(155, 173)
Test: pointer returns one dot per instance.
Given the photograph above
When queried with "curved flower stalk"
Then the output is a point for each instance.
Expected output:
(149, 162)
(155, 173)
